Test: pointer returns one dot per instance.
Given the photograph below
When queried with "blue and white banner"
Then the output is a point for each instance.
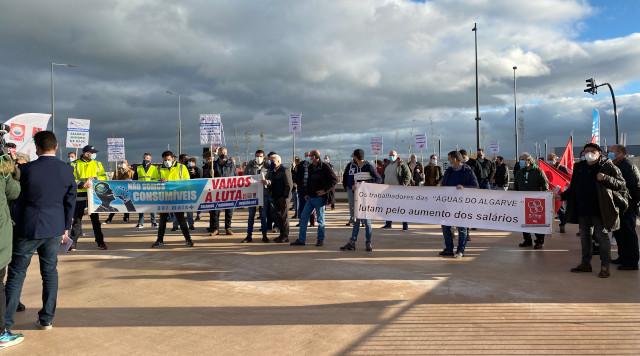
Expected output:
(116, 196)
(595, 126)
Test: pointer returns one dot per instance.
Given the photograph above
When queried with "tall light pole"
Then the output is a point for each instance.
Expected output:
(53, 114)
(475, 34)
(515, 110)
(179, 122)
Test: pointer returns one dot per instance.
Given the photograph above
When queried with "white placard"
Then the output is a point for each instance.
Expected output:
(494, 147)
(295, 122)
(526, 211)
(21, 130)
(376, 145)
(115, 149)
(77, 133)
(211, 130)
(420, 141)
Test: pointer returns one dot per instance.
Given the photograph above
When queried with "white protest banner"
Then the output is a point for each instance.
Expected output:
(21, 130)
(111, 196)
(494, 146)
(295, 122)
(210, 129)
(479, 208)
(77, 133)
(115, 149)
(420, 141)
(376, 145)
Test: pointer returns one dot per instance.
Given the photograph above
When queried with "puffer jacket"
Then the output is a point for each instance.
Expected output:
(611, 191)
(11, 190)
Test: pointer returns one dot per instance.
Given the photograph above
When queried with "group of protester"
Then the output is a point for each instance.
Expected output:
(51, 198)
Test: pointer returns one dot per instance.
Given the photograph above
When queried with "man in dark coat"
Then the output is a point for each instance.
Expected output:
(43, 217)
(280, 183)
(626, 236)
(321, 180)
(595, 198)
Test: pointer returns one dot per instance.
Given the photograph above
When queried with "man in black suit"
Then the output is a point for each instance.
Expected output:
(43, 217)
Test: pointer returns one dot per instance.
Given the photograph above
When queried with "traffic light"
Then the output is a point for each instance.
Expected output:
(591, 87)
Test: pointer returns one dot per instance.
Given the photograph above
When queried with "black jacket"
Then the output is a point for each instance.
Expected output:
(321, 177)
(631, 177)
(502, 175)
(224, 169)
(612, 194)
(280, 182)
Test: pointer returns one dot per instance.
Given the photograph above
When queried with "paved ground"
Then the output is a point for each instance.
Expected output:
(222, 297)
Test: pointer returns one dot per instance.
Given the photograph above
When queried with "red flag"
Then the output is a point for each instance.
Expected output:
(567, 156)
(558, 181)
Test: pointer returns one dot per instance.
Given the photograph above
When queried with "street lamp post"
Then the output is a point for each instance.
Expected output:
(179, 122)
(592, 89)
(53, 114)
(475, 33)
(515, 110)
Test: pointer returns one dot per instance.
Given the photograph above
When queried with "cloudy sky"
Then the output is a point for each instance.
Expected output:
(353, 68)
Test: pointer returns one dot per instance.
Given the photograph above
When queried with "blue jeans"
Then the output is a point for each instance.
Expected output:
(294, 198)
(173, 219)
(190, 219)
(141, 218)
(405, 225)
(497, 187)
(310, 204)
(23, 249)
(484, 184)
(263, 220)
(356, 230)
(448, 238)
(351, 202)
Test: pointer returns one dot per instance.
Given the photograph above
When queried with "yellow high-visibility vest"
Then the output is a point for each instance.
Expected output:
(150, 175)
(178, 171)
(82, 170)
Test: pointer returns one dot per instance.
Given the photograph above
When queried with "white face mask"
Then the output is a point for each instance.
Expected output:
(259, 159)
(590, 157)
(124, 166)
(168, 164)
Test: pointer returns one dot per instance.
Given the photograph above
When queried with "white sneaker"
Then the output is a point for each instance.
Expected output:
(458, 255)
(139, 226)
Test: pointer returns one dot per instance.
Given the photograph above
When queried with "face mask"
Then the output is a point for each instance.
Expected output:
(551, 162)
(415, 160)
(393, 158)
(189, 164)
(523, 164)
(272, 165)
(582, 158)
(465, 160)
(308, 159)
(434, 161)
(590, 157)
(124, 166)
(221, 156)
(71, 159)
(168, 164)
(259, 159)
(611, 155)
(480, 155)
(93, 156)
(145, 162)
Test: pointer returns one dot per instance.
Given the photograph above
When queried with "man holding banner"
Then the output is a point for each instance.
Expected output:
(172, 170)
(363, 172)
(458, 175)
(530, 178)
(86, 169)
